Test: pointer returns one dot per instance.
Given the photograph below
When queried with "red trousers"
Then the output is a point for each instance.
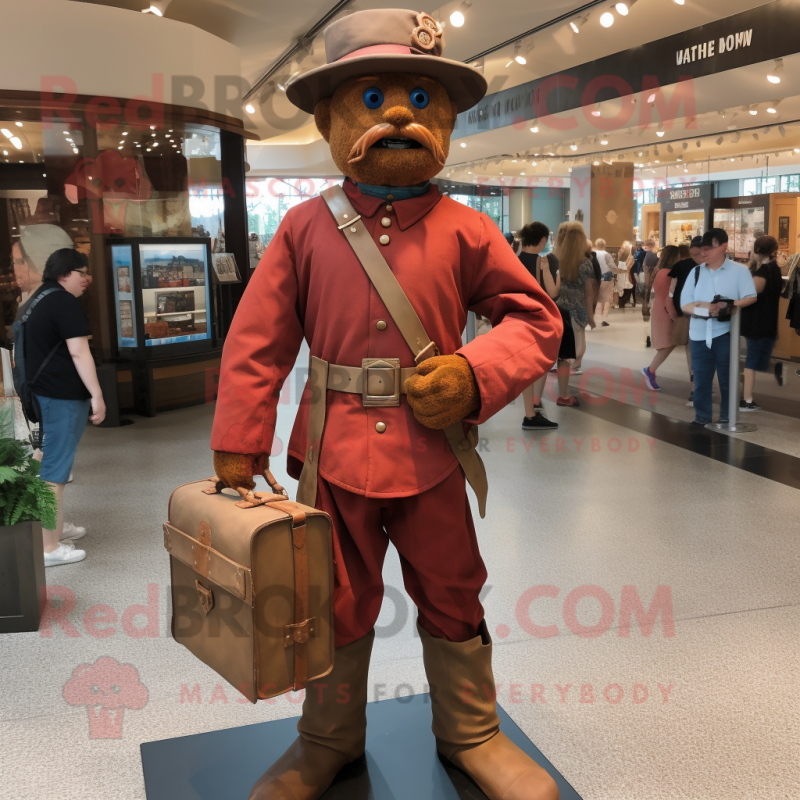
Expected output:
(443, 571)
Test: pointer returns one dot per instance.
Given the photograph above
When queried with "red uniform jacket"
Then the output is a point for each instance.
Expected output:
(448, 258)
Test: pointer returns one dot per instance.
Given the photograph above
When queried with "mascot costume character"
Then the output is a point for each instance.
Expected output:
(397, 393)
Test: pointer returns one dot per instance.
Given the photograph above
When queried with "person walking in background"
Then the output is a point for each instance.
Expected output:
(544, 269)
(623, 287)
(663, 313)
(607, 270)
(576, 296)
(760, 320)
(712, 287)
(67, 390)
(596, 270)
(680, 327)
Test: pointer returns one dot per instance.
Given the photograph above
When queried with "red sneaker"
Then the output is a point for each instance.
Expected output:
(567, 401)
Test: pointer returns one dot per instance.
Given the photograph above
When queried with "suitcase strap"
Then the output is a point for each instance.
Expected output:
(298, 633)
(210, 564)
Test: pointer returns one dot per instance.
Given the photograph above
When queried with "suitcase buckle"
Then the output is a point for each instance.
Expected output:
(206, 597)
(299, 632)
(380, 383)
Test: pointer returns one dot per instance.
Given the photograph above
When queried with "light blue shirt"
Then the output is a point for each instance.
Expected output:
(732, 281)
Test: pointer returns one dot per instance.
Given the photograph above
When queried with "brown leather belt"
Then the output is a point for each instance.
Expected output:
(379, 381)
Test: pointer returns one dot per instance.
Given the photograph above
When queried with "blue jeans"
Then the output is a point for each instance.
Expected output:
(705, 362)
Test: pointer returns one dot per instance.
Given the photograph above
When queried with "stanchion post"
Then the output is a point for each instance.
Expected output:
(733, 425)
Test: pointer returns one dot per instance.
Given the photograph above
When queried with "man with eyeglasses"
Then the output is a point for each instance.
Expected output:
(66, 387)
(710, 290)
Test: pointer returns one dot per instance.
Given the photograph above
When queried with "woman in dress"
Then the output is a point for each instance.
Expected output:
(577, 295)
(663, 312)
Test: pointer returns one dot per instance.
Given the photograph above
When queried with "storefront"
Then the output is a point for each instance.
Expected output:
(154, 200)
(685, 213)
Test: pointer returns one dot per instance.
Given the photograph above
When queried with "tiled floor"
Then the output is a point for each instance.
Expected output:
(700, 703)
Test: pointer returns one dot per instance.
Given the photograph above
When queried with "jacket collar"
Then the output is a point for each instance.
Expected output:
(408, 211)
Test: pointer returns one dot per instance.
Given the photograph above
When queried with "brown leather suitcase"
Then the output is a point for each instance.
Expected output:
(252, 586)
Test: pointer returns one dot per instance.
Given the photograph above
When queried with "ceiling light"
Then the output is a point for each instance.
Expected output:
(573, 147)
(249, 109)
(119, 148)
(720, 139)
(753, 110)
(157, 7)
(463, 144)
(518, 57)
(781, 130)
(657, 161)
(596, 163)
(18, 124)
(733, 159)
(6, 132)
(607, 19)
(457, 17)
(660, 132)
(680, 2)
(148, 149)
(651, 98)
(578, 23)
(75, 150)
(15, 140)
(624, 8)
(535, 126)
(735, 137)
(604, 141)
(535, 163)
(775, 73)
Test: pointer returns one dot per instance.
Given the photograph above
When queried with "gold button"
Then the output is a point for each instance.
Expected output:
(380, 325)
(386, 222)
(380, 427)
(384, 239)
(390, 197)
(389, 207)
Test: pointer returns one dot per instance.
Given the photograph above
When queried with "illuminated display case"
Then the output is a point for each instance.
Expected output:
(162, 296)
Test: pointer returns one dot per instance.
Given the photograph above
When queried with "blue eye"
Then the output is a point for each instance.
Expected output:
(419, 98)
(373, 97)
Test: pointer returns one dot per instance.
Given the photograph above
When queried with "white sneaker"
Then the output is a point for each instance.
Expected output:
(72, 531)
(63, 554)
(70, 479)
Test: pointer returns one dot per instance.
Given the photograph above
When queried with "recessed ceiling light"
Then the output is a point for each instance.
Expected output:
(463, 144)
(18, 124)
(75, 150)
(604, 141)
(573, 147)
(776, 72)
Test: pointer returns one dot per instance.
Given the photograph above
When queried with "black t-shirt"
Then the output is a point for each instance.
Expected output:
(55, 319)
(598, 273)
(760, 320)
(682, 270)
(529, 262)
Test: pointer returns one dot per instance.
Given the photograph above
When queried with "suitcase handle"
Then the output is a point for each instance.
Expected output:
(251, 499)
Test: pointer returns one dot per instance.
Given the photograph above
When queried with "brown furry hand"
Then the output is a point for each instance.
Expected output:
(442, 391)
(236, 470)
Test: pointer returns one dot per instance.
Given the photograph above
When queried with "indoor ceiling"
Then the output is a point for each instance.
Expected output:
(265, 32)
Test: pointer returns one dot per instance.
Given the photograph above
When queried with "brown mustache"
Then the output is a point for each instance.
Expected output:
(386, 130)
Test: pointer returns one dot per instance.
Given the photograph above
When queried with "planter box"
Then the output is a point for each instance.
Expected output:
(22, 583)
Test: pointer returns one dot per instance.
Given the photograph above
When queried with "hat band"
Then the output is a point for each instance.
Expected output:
(381, 50)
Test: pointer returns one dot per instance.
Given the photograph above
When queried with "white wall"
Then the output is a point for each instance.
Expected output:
(109, 51)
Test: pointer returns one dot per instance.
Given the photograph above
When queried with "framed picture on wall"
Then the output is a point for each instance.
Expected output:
(225, 268)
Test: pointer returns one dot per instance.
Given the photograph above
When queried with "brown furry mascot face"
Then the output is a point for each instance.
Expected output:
(389, 129)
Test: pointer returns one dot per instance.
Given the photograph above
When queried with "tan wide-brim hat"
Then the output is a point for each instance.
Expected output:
(386, 40)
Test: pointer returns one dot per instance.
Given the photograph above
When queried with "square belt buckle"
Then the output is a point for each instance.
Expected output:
(381, 382)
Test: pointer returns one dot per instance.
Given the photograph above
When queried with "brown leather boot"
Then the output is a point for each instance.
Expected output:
(333, 730)
(466, 724)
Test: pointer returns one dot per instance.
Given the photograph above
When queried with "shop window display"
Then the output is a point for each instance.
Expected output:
(107, 186)
(268, 200)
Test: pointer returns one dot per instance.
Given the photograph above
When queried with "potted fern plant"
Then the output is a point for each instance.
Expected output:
(26, 504)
